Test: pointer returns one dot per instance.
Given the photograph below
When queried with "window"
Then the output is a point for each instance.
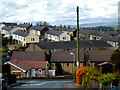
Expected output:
(67, 64)
(64, 38)
(40, 70)
(24, 39)
(52, 64)
(33, 39)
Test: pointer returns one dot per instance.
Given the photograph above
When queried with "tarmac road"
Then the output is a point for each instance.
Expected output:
(40, 84)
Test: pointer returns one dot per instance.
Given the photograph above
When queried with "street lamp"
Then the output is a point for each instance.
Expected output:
(73, 66)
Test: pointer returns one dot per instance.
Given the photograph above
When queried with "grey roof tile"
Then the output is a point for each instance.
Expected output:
(21, 33)
(7, 28)
(54, 32)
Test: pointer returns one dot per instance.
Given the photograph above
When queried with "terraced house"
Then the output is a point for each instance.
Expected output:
(24, 27)
(39, 30)
(21, 37)
(7, 31)
(53, 35)
(68, 30)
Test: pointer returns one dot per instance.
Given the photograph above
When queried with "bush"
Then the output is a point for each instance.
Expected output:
(80, 73)
(90, 76)
(106, 79)
(11, 78)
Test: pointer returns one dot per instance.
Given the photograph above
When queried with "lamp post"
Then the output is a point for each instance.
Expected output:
(73, 66)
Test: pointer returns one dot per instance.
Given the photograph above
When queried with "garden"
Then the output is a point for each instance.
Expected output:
(90, 77)
(95, 77)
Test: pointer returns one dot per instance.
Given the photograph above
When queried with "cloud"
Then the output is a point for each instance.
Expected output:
(58, 12)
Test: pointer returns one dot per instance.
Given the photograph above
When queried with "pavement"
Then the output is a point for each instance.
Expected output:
(72, 85)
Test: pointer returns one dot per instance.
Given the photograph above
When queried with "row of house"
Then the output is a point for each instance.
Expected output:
(84, 45)
(111, 37)
(42, 31)
(34, 64)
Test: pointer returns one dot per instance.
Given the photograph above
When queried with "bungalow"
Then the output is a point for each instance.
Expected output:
(28, 68)
(54, 35)
(24, 38)
(66, 60)
(39, 30)
(101, 59)
(28, 63)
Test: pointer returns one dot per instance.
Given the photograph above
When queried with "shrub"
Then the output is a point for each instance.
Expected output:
(11, 78)
(106, 79)
(80, 73)
(90, 76)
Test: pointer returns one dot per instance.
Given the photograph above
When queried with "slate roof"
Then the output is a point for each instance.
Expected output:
(65, 29)
(23, 25)
(21, 33)
(65, 56)
(100, 55)
(54, 32)
(72, 44)
(38, 28)
(28, 55)
(51, 26)
(7, 28)
(27, 65)
(106, 35)
(10, 24)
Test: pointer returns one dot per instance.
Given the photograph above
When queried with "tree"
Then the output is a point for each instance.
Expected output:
(42, 23)
(115, 55)
(80, 73)
(5, 41)
(45, 23)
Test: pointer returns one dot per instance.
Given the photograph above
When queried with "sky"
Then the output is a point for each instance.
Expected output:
(57, 12)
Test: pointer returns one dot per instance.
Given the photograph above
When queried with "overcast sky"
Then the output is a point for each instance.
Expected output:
(58, 12)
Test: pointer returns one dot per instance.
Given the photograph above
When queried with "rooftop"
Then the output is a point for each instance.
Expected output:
(7, 28)
(28, 55)
(54, 32)
(21, 33)
(73, 44)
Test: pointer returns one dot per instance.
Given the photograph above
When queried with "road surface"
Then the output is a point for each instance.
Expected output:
(41, 84)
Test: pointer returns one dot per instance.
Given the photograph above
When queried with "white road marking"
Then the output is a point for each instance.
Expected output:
(37, 84)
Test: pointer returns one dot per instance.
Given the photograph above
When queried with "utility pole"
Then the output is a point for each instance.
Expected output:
(77, 37)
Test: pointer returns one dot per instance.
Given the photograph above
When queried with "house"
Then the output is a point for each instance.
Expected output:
(66, 61)
(101, 59)
(54, 35)
(24, 27)
(111, 37)
(7, 31)
(69, 45)
(39, 30)
(24, 38)
(1, 26)
(28, 68)
(68, 30)
(28, 63)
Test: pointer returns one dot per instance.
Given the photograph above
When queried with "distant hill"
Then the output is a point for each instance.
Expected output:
(110, 24)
